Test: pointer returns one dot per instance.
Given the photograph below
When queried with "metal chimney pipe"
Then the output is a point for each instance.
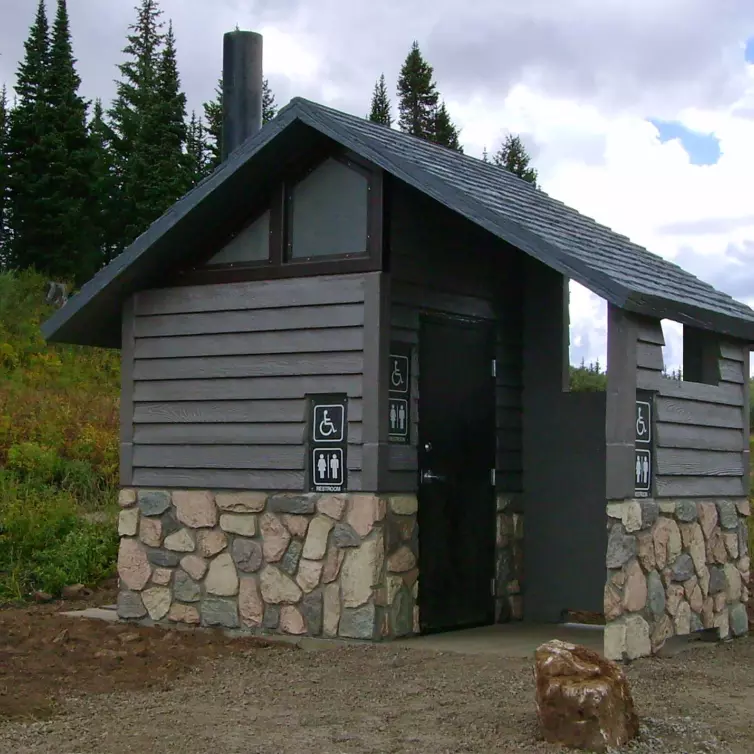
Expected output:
(242, 88)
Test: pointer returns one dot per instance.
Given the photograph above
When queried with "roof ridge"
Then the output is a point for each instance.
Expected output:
(440, 149)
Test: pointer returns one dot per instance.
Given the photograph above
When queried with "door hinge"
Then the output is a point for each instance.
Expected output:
(494, 367)
(493, 477)
(493, 584)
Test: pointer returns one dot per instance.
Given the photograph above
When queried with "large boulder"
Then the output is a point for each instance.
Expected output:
(583, 700)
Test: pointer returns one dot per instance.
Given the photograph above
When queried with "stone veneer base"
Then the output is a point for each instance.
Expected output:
(298, 564)
(674, 567)
(509, 561)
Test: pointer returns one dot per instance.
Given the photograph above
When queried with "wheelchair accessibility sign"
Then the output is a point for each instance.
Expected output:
(399, 393)
(328, 424)
(398, 373)
(643, 445)
(327, 441)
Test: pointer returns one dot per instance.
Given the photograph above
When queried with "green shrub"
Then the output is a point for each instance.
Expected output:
(34, 462)
(45, 543)
(58, 450)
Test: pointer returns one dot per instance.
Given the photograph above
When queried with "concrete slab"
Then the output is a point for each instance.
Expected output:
(98, 613)
(506, 640)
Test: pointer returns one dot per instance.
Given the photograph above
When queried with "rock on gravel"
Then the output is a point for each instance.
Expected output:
(583, 700)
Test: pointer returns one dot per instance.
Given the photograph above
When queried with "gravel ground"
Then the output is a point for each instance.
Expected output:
(70, 686)
(268, 700)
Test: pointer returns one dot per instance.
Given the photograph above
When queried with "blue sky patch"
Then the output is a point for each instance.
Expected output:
(703, 149)
(749, 50)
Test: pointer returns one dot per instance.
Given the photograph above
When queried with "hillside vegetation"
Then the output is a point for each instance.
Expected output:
(58, 451)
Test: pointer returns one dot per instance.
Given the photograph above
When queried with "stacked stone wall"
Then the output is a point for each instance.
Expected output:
(509, 562)
(673, 568)
(318, 565)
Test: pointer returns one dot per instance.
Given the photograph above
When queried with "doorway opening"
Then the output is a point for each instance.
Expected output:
(456, 515)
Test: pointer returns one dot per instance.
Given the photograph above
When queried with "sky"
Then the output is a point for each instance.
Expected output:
(639, 114)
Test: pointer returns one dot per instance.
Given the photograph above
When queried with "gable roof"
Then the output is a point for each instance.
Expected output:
(603, 261)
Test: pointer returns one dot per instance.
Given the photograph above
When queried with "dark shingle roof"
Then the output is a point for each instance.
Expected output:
(606, 262)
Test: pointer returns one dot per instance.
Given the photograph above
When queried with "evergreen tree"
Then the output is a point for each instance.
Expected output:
(381, 110)
(104, 194)
(269, 108)
(4, 126)
(196, 150)
(513, 156)
(417, 95)
(71, 162)
(168, 124)
(213, 115)
(32, 231)
(133, 120)
(445, 132)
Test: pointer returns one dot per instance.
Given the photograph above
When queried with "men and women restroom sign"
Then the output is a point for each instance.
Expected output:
(399, 386)
(328, 443)
(643, 445)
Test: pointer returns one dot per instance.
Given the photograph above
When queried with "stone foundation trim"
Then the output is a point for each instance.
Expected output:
(674, 567)
(300, 564)
(509, 561)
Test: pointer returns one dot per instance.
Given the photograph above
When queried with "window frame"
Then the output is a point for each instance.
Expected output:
(289, 187)
(277, 265)
(242, 264)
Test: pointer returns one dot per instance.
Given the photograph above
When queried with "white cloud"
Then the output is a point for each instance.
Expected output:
(614, 168)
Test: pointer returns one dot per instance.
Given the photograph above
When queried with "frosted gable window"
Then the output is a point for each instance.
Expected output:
(252, 244)
(328, 212)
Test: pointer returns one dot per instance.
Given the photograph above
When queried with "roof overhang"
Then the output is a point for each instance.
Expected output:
(93, 315)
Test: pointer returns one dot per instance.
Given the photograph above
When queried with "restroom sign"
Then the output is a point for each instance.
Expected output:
(327, 469)
(643, 451)
(399, 417)
(327, 443)
(399, 390)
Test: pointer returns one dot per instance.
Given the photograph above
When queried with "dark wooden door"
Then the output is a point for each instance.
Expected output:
(456, 457)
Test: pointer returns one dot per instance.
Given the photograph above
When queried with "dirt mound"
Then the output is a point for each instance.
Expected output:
(45, 655)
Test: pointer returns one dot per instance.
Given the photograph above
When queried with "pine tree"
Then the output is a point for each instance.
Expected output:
(445, 132)
(213, 115)
(269, 108)
(71, 162)
(381, 110)
(31, 230)
(196, 150)
(513, 156)
(132, 122)
(417, 95)
(104, 194)
(4, 126)
(171, 171)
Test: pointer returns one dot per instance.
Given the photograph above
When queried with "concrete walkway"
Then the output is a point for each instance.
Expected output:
(506, 640)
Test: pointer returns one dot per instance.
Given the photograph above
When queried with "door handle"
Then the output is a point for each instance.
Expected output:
(428, 476)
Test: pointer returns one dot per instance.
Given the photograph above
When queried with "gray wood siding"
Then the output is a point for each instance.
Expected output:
(126, 395)
(701, 431)
(442, 265)
(221, 374)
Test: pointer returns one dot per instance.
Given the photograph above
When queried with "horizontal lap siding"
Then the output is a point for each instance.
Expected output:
(221, 375)
(701, 431)
(440, 265)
